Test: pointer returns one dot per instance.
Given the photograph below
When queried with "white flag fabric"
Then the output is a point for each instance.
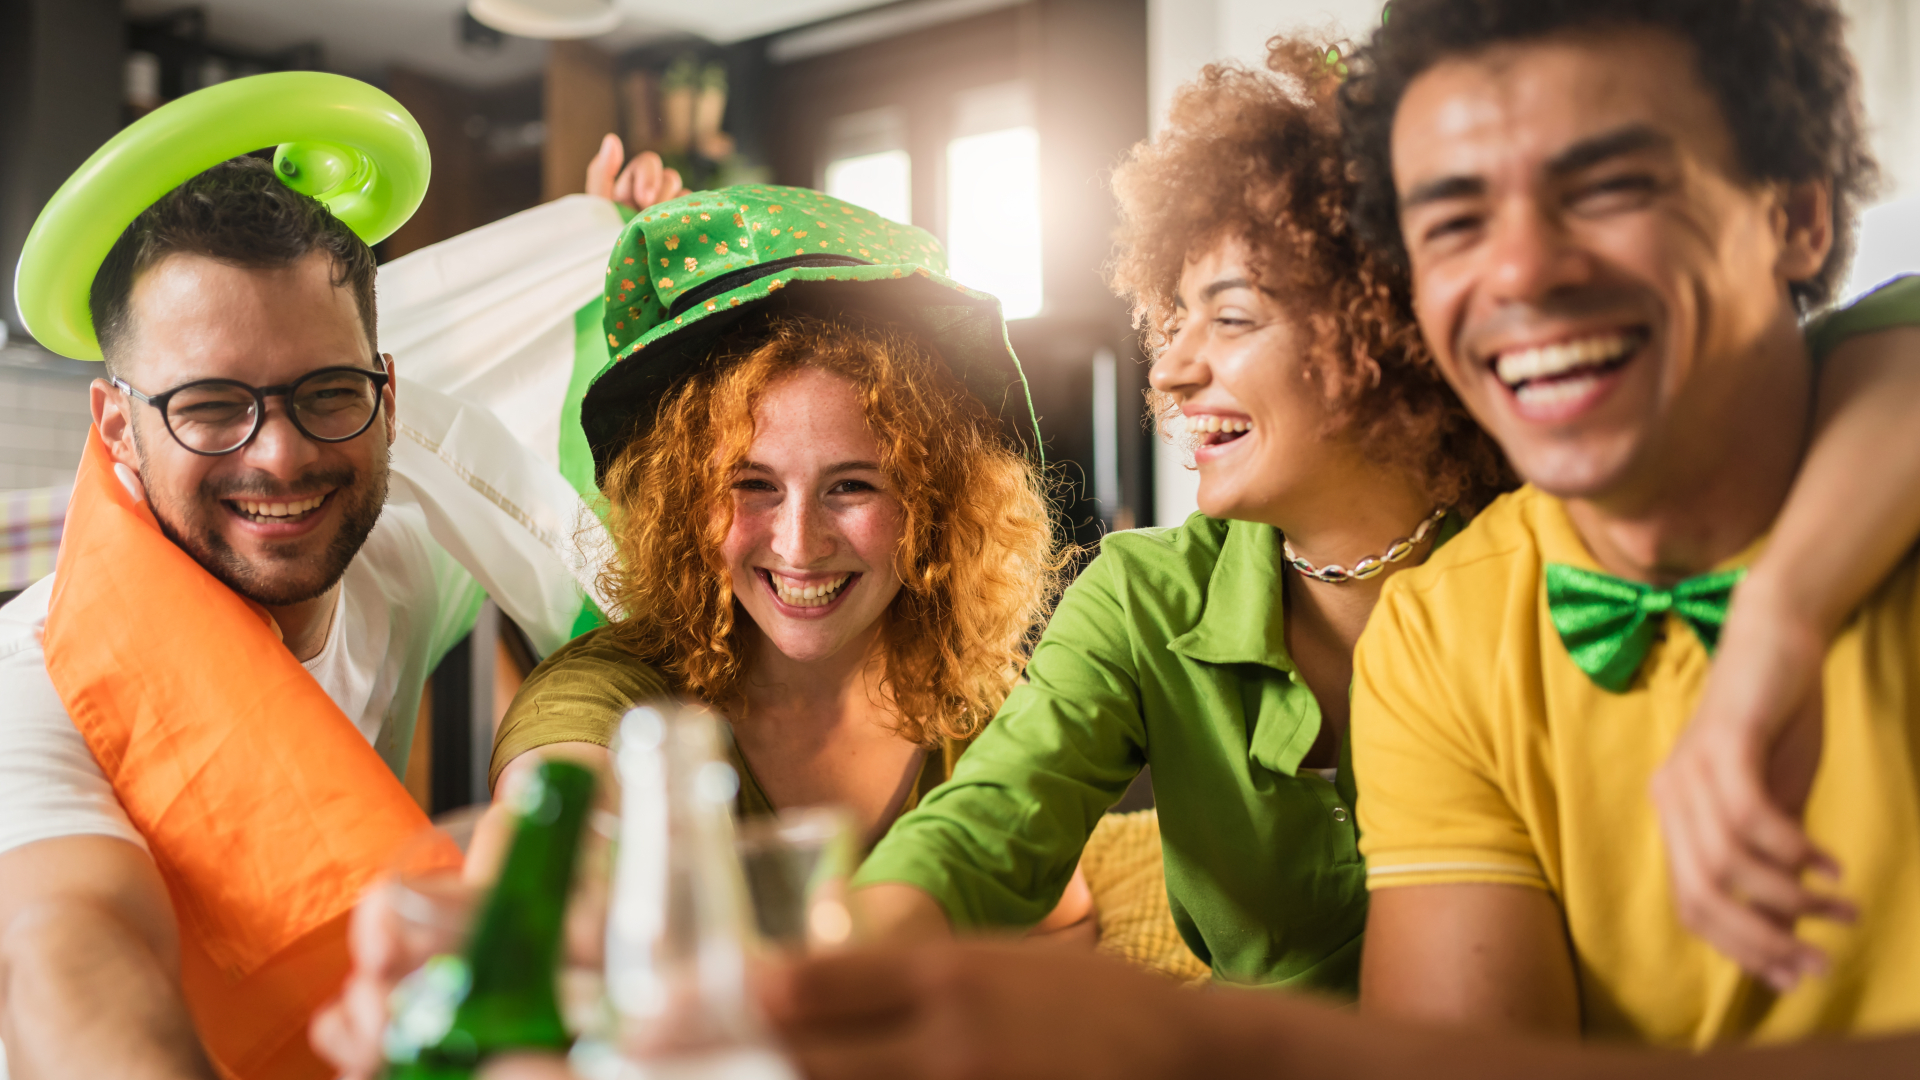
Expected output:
(495, 334)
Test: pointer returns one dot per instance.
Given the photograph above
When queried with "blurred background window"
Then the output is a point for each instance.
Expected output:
(881, 182)
(868, 163)
(993, 196)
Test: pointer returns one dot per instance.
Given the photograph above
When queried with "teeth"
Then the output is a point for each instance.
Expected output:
(274, 510)
(815, 595)
(1548, 361)
(1208, 424)
(1555, 392)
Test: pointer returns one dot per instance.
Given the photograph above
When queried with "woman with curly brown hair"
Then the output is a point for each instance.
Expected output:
(819, 528)
(1220, 653)
(1195, 650)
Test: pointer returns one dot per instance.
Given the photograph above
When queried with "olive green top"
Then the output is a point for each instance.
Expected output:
(580, 693)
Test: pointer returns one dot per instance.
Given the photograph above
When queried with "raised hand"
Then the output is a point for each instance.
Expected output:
(644, 181)
(347, 1032)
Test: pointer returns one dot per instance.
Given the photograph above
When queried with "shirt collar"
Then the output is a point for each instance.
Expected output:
(1244, 620)
(1560, 541)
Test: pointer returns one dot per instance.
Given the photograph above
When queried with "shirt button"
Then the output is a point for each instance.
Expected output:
(1339, 813)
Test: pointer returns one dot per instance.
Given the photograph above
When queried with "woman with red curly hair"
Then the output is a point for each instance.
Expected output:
(819, 527)
(1331, 454)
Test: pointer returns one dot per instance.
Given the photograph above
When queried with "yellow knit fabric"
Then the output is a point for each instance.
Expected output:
(1122, 865)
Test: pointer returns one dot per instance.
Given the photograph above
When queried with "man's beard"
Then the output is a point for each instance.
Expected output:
(361, 500)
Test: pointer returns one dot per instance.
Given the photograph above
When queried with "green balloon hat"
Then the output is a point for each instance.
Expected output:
(339, 140)
(688, 273)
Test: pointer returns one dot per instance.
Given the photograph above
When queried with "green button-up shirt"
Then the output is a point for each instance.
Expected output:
(1169, 650)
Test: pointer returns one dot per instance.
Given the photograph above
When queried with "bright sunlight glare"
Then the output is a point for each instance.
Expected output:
(883, 183)
(993, 216)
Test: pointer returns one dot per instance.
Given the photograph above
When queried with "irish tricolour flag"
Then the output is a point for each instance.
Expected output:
(495, 335)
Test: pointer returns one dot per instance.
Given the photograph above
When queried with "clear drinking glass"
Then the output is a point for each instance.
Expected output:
(796, 865)
(680, 930)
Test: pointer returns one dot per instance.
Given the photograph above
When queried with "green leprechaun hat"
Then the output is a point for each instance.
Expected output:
(686, 273)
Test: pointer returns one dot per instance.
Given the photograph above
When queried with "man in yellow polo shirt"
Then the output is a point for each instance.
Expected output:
(1615, 213)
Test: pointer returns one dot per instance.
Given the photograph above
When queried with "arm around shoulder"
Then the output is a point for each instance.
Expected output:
(1730, 794)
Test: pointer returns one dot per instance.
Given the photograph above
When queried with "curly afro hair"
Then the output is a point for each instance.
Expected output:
(1779, 69)
(1256, 156)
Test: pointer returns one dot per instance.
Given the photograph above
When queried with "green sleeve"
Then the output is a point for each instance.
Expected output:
(997, 843)
(1896, 303)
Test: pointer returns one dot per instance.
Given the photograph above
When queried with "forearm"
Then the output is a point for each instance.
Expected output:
(1854, 510)
(84, 994)
(1074, 921)
(899, 914)
(1240, 1034)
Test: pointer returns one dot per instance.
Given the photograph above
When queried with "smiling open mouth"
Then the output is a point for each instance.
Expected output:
(284, 512)
(809, 594)
(1564, 370)
(1208, 430)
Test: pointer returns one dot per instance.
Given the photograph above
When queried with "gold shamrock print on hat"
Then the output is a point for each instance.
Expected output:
(827, 257)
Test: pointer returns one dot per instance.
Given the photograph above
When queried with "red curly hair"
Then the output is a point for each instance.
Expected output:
(978, 560)
(1256, 156)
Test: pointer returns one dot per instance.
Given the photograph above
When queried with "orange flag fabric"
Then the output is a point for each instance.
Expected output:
(267, 811)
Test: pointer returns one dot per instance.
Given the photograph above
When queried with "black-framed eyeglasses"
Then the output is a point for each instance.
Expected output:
(218, 416)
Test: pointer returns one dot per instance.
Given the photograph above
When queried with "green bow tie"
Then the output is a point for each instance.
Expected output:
(1607, 624)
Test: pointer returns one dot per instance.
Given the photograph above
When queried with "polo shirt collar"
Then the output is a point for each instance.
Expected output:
(1559, 541)
(1244, 620)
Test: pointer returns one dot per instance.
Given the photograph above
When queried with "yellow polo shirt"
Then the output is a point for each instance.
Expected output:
(1484, 755)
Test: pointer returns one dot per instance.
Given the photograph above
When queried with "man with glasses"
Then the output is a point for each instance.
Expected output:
(248, 409)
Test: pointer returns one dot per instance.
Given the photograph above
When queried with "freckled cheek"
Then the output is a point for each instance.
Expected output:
(748, 536)
(873, 532)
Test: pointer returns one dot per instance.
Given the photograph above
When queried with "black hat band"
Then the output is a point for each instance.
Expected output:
(734, 279)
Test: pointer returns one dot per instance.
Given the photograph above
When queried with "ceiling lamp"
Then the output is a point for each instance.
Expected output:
(727, 21)
(550, 19)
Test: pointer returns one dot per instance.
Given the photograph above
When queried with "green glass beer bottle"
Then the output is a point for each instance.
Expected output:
(456, 1011)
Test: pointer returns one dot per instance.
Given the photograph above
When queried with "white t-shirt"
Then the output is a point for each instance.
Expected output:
(403, 603)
